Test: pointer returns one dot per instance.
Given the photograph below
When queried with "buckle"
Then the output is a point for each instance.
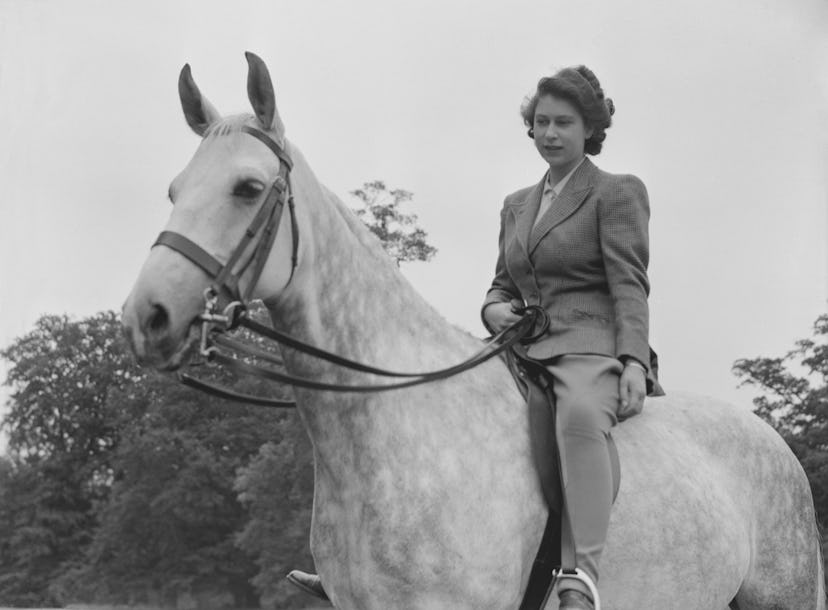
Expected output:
(211, 321)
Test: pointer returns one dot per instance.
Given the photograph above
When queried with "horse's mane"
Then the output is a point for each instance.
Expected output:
(364, 236)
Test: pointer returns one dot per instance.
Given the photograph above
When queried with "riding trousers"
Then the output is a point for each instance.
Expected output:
(587, 401)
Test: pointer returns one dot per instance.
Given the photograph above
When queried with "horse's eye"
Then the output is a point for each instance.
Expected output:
(249, 189)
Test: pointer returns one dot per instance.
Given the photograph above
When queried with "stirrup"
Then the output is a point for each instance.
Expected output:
(579, 574)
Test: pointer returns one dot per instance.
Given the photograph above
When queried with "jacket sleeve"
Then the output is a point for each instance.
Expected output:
(503, 289)
(624, 213)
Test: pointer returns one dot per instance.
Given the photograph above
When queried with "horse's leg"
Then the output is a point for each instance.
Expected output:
(784, 582)
(786, 570)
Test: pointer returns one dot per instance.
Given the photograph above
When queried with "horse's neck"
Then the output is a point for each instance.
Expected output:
(350, 298)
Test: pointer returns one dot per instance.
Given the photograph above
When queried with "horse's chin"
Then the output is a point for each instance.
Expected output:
(170, 360)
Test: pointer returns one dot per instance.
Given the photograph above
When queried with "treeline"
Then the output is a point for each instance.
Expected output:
(122, 486)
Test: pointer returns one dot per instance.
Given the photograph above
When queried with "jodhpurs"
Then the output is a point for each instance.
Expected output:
(587, 401)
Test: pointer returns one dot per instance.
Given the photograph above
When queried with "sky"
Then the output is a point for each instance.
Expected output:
(721, 109)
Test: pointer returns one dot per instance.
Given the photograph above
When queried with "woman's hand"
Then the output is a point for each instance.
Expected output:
(632, 388)
(501, 315)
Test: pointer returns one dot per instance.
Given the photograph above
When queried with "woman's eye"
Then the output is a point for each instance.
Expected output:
(249, 189)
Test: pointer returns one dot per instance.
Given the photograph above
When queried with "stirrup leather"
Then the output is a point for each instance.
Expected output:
(580, 575)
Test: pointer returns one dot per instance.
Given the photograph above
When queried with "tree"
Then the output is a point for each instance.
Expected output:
(62, 428)
(169, 527)
(277, 488)
(380, 211)
(795, 402)
(120, 483)
(43, 522)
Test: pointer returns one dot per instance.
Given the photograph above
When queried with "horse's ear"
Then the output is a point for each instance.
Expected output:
(262, 98)
(199, 112)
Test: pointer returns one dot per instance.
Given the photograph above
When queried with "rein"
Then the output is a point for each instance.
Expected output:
(519, 332)
(214, 322)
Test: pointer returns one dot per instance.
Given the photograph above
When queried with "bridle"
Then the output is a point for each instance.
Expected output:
(216, 322)
(267, 220)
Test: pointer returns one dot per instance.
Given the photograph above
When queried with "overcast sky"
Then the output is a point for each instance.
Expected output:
(722, 110)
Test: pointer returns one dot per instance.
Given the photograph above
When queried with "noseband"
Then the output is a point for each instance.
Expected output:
(215, 322)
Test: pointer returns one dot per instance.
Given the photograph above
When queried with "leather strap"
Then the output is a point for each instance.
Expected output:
(493, 347)
(271, 144)
(290, 341)
(191, 250)
(222, 392)
(541, 578)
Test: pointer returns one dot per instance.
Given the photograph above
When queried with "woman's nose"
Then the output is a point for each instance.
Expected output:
(550, 133)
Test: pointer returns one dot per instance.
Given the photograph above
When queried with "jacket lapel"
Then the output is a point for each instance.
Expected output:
(570, 199)
(525, 212)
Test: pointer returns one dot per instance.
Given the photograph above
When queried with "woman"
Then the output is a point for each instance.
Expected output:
(576, 244)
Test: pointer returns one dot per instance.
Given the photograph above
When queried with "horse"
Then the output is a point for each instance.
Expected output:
(427, 497)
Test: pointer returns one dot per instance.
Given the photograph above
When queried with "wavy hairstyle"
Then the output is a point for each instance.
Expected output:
(581, 88)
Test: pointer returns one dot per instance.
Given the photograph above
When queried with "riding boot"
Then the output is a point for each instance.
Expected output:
(309, 583)
(570, 599)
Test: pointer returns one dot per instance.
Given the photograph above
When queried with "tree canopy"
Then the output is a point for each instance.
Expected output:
(120, 482)
(380, 209)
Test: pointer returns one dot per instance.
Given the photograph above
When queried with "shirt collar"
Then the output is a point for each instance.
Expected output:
(557, 188)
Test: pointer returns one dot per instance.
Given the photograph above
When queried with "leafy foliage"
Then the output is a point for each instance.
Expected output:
(380, 211)
(280, 511)
(795, 402)
(62, 429)
(120, 485)
(44, 521)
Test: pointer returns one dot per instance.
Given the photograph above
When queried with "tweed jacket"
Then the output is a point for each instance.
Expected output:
(585, 262)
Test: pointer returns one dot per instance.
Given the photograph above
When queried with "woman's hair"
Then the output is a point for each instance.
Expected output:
(581, 88)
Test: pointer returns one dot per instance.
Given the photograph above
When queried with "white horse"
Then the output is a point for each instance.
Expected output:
(427, 497)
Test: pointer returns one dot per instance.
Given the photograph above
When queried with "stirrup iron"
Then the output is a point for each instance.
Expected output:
(579, 574)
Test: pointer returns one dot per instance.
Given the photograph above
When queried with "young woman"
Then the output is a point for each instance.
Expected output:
(576, 244)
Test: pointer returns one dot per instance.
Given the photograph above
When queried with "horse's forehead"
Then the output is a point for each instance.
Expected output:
(226, 150)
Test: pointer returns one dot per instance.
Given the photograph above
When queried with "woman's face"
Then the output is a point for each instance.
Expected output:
(560, 133)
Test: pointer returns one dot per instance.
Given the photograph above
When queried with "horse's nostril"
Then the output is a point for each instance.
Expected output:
(158, 319)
